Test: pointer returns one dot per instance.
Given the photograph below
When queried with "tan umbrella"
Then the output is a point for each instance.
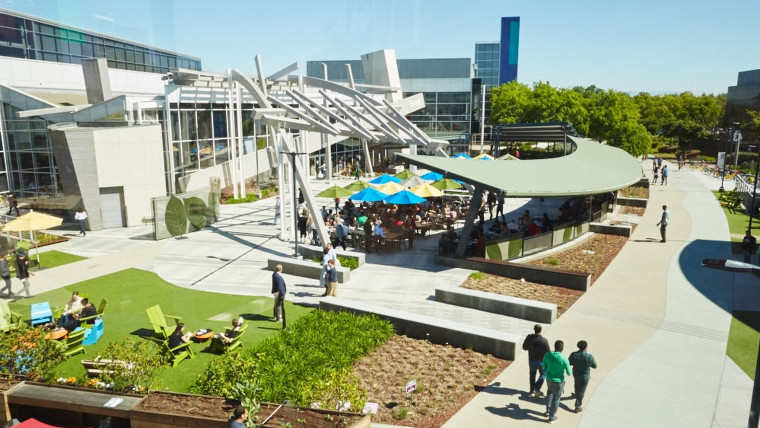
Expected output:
(32, 222)
(426, 191)
(390, 188)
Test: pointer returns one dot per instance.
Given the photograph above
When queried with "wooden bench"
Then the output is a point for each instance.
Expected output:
(97, 367)
(305, 268)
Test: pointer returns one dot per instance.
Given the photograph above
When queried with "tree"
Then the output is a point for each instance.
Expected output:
(509, 102)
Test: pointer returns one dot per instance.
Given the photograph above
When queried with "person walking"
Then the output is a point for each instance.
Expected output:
(537, 346)
(663, 223)
(556, 365)
(22, 270)
(656, 175)
(5, 274)
(357, 169)
(13, 205)
(278, 290)
(664, 181)
(500, 206)
(749, 243)
(81, 217)
(277, 210)
(582, 363)
(332, 278)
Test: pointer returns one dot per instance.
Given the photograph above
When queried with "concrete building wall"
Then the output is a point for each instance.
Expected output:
(131, 157)
(35, 76)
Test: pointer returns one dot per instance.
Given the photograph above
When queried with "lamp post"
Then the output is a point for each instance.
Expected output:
(735, 266)
(295, 196)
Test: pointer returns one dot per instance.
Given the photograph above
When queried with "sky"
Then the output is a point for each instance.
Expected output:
(655, 46)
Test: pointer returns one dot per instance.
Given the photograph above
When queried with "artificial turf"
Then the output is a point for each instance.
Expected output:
(53, 258)
(131, 291)
(743, 340)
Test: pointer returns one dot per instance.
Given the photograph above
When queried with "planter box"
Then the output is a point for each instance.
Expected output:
(6, 385)
(171, 410)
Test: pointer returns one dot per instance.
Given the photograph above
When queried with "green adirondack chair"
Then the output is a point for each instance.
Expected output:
(74, 343)
(158, 321)
(178, 354)
(217, 346)
(9, 320)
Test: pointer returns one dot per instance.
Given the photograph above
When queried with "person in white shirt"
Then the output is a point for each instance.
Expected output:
(80, 218)
(378, 229)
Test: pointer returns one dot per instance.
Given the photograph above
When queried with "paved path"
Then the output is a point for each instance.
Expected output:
(659, 341)
(657, 324)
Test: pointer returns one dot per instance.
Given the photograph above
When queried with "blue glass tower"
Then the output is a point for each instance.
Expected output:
(510, 43)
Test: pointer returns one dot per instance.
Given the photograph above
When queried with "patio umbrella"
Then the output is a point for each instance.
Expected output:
(404, 197)
(32, 222)
(390, 188)
(432, 176)
(405, 174)
(446, 183)
(370, 194)
(335, 192)
(357, 186)
(385, 178)
(426, 191)
(462, 156)
(413, 181)
(484, 156)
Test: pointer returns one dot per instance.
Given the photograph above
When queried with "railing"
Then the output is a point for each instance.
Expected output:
(518, 245)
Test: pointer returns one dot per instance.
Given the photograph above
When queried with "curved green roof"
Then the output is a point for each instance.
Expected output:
(592, 168)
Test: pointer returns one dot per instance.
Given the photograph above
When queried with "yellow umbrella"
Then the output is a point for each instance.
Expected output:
(426, 191)
(31, 222)
(390, 188)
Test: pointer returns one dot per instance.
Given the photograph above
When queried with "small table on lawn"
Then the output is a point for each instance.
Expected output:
(203, 335)
(57, 334)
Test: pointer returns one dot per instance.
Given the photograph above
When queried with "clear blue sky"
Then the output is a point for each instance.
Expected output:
(644, 45)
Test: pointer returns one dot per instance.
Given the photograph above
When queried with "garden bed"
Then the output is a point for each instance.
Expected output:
(160, 409)
(592, 255)
(560, 296)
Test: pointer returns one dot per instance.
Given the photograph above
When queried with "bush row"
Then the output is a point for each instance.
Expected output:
(310, 362)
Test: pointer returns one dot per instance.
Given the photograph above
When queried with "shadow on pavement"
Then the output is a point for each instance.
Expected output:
(716, 285)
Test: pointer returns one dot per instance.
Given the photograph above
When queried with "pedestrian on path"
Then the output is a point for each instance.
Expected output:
(277, 210)
(332, 279)
(556, 365)
(748, 246)
(5, 274)
(664, 175)
(582, 363)
(663, 223)
(22, 270)
(656, 175)
(278, 290)
(81, 217)
(537, 346)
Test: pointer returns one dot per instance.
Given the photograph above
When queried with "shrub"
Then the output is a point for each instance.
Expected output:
(143, 363)
(303, 363)
(26, 352)
(553, 261)
(477, 275)
(349, 262)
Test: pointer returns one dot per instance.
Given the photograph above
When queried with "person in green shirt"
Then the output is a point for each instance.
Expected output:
(556, 365)
(582, 363)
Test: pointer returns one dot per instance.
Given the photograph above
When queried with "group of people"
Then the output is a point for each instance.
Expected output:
(74, 312)
(552, 366)
(657, 169)
(22, 273)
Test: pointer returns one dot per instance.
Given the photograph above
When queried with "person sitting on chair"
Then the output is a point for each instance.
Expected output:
(88, 310)
(227, 337)
(178, 337)
(72, 307)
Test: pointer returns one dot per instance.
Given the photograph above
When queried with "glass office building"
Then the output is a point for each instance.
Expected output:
(23, 36)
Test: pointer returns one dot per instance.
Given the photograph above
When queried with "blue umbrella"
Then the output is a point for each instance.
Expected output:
(432, 176)
(404, 197)
(384, 179)
(370, 194)
(462, 156)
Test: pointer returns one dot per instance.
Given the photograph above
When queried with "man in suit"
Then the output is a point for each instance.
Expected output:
(278, 289)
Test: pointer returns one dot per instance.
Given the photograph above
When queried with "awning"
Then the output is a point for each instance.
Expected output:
(591, 169)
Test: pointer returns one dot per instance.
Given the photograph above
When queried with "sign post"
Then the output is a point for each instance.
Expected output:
(722, 166)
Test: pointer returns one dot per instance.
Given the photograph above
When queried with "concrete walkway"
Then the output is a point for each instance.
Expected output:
(656, 321)
(657, 324)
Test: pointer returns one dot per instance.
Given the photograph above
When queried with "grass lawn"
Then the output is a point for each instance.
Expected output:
(53, 258)
(743, 339)
(130, 292)
(738, 222)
